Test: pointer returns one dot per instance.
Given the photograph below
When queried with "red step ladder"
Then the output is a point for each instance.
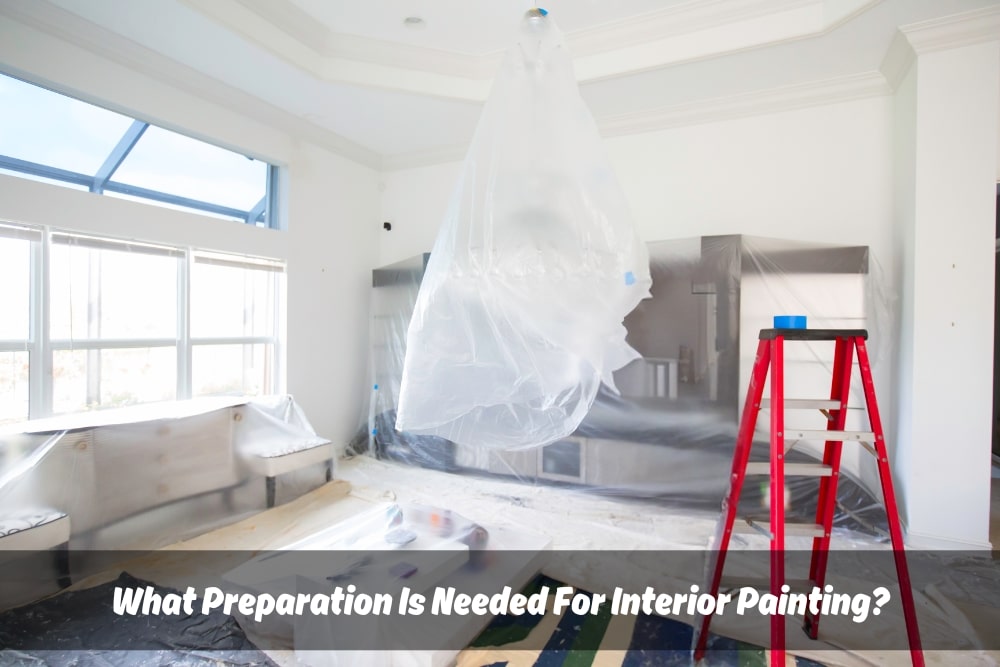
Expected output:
(770, 355)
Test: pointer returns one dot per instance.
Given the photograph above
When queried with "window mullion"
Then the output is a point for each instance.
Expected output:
(184, 390)
(94, 299)
(271, 198)
(40, 352)
(107, 152)
(277, 349)
(118, 155)
(257, 210)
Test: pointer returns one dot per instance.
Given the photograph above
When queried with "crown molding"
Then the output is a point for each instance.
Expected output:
(950, 32)
(306, 42)
(73, 29)
(406, 56)
(692, 16)
(693, 30)
(773, 100)
(281, 14)
(898, 60)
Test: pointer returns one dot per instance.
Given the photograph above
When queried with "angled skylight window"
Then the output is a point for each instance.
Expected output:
(172, 163)
(49, 137)
(41, 126)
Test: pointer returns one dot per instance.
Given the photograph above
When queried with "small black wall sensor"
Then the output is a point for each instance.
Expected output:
(387, 226)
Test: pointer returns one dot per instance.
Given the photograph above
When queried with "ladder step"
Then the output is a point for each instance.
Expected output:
(764, 584)
(824, 434)
(792, 469)
(762, 526)
(804, 404)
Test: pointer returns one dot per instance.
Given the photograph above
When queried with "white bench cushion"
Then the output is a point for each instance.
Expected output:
(289, 458)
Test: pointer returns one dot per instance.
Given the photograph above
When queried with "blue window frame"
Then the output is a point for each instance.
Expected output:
(58, 139)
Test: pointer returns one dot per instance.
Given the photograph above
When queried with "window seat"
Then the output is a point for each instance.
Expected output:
(96, 470)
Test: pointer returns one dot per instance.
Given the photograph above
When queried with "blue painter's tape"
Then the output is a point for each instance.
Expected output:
(629, 278)
(789, 321)
(375, 387)
(543, 12)
(374, 431)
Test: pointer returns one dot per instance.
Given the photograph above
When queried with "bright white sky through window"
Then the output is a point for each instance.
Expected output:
(172, 163)
(40, 126)
(47, 128)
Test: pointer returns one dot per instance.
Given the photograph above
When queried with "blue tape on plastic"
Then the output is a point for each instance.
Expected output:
(629, 278)
(543, 12)
(374, 431)
(789, 321)
(375, 387)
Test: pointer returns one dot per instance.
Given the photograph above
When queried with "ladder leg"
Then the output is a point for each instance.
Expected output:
(777, 495)
(891, 509)
(840, 388)
(741, 455)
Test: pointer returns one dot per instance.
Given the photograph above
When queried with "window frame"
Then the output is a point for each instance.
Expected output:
(33, 236)
(274, 340)
(264, 211)
(41, 347)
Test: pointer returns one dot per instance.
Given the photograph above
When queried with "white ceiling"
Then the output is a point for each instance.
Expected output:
(472, 27)
(352, 71)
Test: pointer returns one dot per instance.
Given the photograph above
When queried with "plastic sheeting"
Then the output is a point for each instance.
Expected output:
(671, 432)
(29, 635)
(519, 317)
(150, 475)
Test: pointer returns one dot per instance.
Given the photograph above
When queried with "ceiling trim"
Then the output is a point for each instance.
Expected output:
(105, 43)
(406, 56)
(773, 100)
(948, 32)
(283, 15)
(693, 16)
(694, 30)
(898, 60)
(307, 43)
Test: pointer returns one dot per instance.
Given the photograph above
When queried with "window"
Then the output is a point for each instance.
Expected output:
(56, 130)
(113, 338)
(187, 168)
(17, 246)
(234, 314)
(128, 323)
(68, 142)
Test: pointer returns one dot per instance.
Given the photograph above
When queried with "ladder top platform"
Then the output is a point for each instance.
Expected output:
(812, 334)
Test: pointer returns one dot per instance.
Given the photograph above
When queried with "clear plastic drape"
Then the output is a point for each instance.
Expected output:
(519, 316)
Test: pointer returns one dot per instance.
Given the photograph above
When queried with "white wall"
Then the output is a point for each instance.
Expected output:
(414, 201)
(819, 174)
(331, 204)
(946, 220)
(332, 208)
